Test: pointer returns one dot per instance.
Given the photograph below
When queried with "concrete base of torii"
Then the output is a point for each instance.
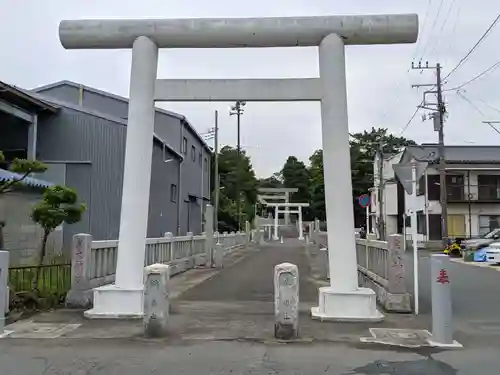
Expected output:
(347, 306)
(114, 302)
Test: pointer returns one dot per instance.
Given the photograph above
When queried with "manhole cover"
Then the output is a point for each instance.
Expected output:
(398, 337)
(31, 330)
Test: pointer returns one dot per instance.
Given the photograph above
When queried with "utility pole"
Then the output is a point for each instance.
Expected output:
(237, 109)
(380, 193)
(213, 133)
(216, 171)
(439, 111)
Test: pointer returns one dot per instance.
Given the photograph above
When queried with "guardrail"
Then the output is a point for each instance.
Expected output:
(94, 262)
(380, 267)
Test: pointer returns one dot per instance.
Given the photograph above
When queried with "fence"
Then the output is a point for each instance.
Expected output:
(53, 279)
(94, 262)
(380, 267)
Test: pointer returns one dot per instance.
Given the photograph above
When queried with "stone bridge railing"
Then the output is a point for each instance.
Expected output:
(94, 262)
(380, 267)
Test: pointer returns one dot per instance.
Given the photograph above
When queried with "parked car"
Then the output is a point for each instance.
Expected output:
(493, 253)
(483, 241)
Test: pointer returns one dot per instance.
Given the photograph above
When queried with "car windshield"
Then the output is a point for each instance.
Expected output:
(493, 233)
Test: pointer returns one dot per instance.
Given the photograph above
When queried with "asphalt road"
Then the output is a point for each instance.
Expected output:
(128, 358)
(249, 282)
(475, 298)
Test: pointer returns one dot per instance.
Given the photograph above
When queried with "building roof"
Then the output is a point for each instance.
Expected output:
(109, 117)
(28, 181)
(465, 154)
(123, 99)
(23, 99)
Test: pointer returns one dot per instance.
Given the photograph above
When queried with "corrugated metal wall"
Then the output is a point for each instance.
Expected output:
(94, 149)
(78, 137)
(79, 177)
(102, 141)
(162, 211)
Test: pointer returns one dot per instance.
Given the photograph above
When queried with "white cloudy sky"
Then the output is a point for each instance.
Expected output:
(378, 77)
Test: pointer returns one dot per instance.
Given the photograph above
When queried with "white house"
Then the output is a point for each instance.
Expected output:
(473, 191)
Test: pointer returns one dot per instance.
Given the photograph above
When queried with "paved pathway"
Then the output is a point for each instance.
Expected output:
(252, 278)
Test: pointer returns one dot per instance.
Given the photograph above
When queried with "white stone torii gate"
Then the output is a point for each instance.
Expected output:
(287, 206)
(343, 299)
(280, 194)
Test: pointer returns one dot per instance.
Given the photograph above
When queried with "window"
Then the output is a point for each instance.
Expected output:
(184, 146)
(206, 165)
(455, 187)
(433, 186)
(421, 224)
(193, 153)
(200, 158)
(10, 155)
(489, 187)
(487, 223)
(173, 193)
(421, 186)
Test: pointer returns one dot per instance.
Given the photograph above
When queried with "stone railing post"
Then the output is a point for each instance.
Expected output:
(219, 256)
(247, 231)
(209, 235)
(4, 289)
(190, 250)
(170, 255)
(156, 300)
(323, 263)
(396, 272)
(191, 243)
(80, 294)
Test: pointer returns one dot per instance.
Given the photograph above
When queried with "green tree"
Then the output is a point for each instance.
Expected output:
(59, 205)
(274, 181)
(364, 147)
(236, 172)
(317, 185)
(296, 175)
(24, 168)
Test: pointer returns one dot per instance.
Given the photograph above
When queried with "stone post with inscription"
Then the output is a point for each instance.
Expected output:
(396, 298)
(80, 294)
(286, 301)
(156, 303)
(396, 272)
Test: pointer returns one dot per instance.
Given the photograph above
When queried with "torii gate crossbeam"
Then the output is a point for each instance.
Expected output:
(343, 299)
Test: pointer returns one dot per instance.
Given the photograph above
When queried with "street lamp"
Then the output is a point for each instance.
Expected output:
(237, 109)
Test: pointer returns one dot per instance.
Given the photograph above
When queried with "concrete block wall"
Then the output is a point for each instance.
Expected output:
(22, 236)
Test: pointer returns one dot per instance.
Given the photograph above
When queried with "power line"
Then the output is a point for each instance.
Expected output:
(454, 30)
(426, 17)
(461, 95)
(489, 105)
(411, 118)
(446, 19)
(483, 37)
(484, 72)
(467, 100)
(433, 26)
